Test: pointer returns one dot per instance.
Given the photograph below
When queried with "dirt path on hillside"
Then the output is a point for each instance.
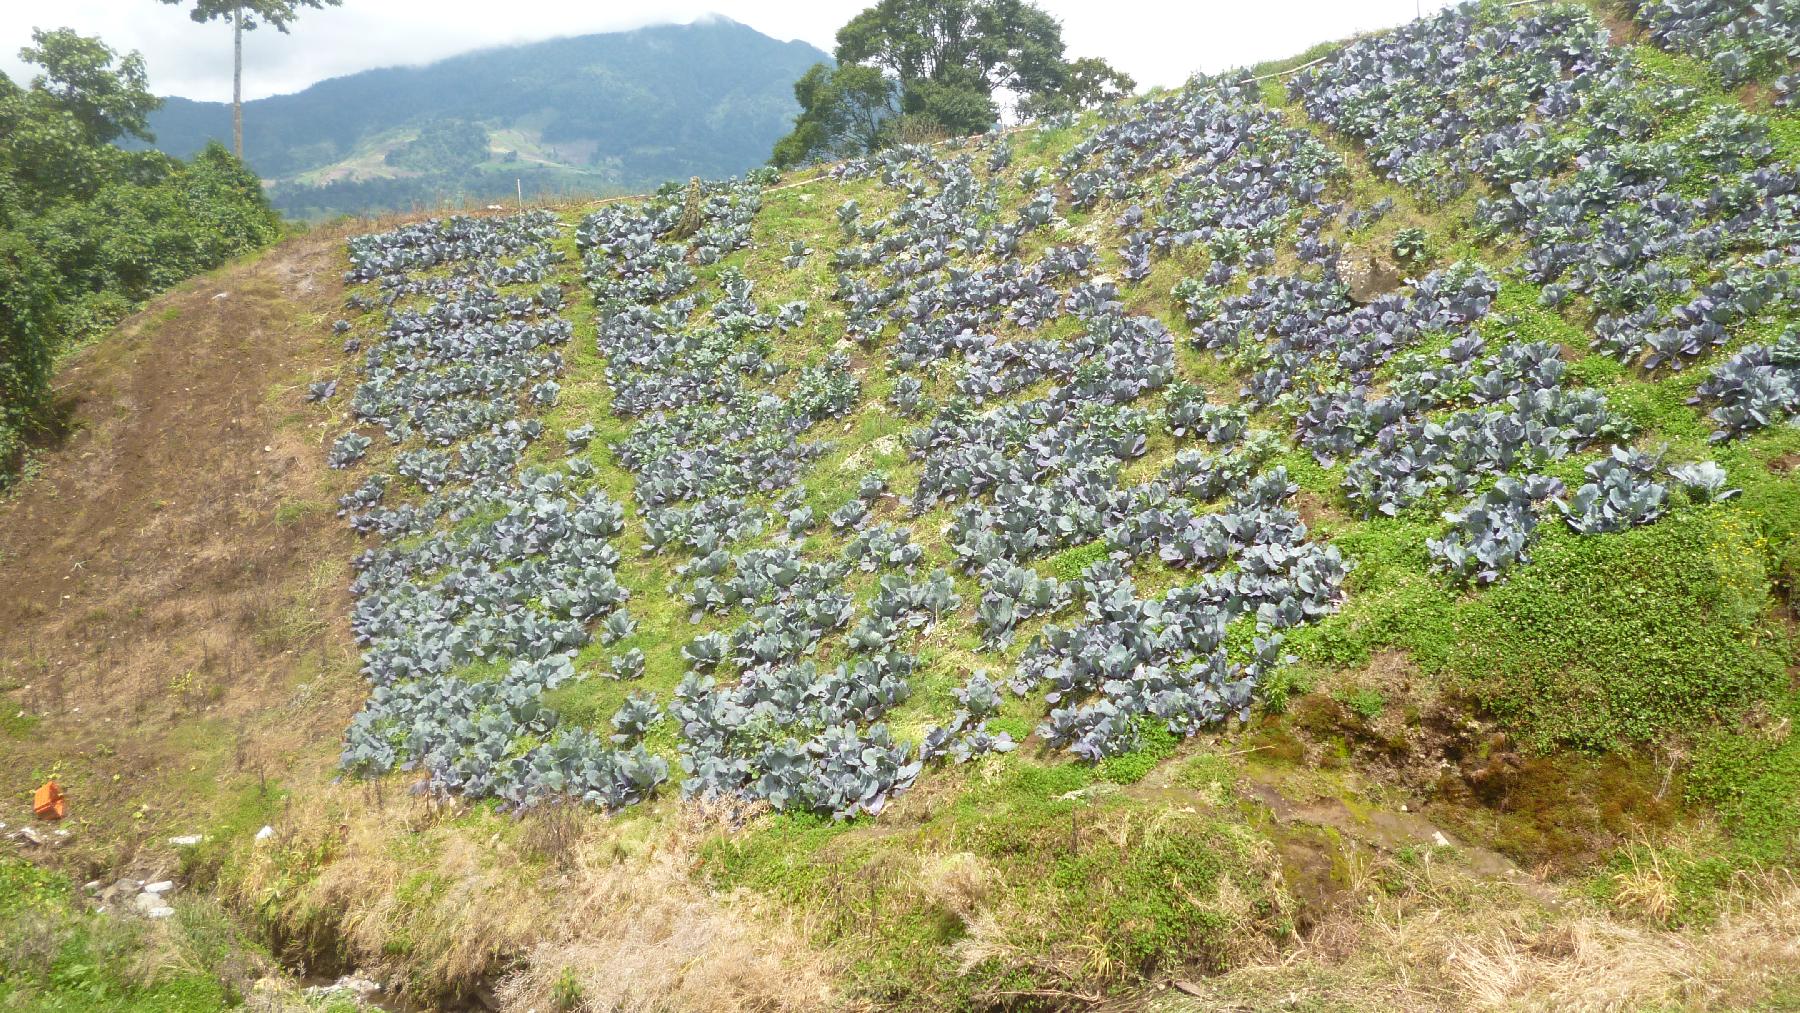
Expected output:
(172, 580)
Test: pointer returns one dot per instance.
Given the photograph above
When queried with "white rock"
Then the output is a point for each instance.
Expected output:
(265, 833)
(186, 840)
(1438, 838)
(351, 984)
(159, 887)
(152, 906)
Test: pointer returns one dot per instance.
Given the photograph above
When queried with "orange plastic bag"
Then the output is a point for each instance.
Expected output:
(49, 803)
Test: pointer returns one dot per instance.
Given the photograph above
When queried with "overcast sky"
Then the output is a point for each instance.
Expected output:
(1160, 42)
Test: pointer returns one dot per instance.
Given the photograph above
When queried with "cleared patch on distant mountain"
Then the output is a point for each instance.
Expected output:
(442, 145)
(589, 114)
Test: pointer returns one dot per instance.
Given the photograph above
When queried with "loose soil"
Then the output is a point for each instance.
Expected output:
(172, 632)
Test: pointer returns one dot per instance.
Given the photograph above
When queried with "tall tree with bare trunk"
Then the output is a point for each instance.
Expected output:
(247, 15)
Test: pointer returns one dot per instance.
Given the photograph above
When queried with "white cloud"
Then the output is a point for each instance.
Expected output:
(1157, 41)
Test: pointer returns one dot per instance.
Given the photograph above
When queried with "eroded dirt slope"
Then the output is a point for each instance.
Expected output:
(172, 601)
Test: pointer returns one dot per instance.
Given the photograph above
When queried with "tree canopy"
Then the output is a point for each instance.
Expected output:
(935, 66)
(87, 229)
(278, 14)
(79, 78)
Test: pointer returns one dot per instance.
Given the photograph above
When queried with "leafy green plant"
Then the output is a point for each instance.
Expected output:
(1364, 702)
(1412, 246)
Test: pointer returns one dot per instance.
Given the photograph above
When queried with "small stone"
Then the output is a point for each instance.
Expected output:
(265, 833)
(186, 840)
(152, 906)
(159, 887)
(1438, 838)
(350, 984)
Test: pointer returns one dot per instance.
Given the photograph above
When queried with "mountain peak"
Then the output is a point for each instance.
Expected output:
(589, 113)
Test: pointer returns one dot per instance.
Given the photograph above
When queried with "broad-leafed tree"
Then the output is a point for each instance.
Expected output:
(911, 66)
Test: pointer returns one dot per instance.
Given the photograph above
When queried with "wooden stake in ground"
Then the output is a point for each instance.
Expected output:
(693, 212)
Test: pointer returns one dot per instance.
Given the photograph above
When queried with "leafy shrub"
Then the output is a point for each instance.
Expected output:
(88, 230)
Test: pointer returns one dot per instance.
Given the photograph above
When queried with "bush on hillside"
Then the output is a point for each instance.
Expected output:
(88, 230)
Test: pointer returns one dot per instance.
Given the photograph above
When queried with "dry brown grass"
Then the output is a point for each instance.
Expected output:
(1448, 943)
(960, 883)
(530, 907)
(155, 610)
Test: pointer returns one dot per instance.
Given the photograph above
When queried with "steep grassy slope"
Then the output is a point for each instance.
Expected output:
(1301, 356)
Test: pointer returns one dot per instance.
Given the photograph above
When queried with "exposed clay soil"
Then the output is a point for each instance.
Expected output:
(174, 584)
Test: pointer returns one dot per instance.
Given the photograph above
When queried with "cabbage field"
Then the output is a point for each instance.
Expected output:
(1041, 445)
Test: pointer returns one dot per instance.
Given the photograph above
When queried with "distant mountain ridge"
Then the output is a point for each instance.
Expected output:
(590, 113)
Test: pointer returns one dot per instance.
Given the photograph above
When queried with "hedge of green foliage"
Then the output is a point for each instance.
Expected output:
(88, 230)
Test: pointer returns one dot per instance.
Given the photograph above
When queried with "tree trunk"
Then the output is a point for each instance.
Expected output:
(237, 82)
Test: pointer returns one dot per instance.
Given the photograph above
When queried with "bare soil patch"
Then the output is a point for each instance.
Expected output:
(172, 609)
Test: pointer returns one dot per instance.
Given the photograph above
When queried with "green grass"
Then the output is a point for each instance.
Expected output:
(1071, 563)
(54, 955)
(1155, 744)
(1601, 641)
(1096, 888)
(1746, 775)
(1750, 776)
(1363, 702)
(1621, 638)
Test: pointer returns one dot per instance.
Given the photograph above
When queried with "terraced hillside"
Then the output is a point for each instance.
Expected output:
(1326, 535)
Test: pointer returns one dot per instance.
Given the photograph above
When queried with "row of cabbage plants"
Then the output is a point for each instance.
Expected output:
(943, 283)
(1741, 40)
(485, 577)
(1034, 397)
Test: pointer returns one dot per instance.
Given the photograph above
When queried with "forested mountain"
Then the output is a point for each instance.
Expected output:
(587, 114)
